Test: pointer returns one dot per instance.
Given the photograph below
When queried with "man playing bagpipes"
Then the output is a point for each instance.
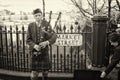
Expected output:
(39, 36)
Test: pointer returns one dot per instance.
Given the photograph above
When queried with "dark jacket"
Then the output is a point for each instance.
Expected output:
(116, 55)
(48, 34)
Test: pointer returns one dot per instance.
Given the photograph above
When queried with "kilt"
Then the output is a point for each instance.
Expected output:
(40, 62)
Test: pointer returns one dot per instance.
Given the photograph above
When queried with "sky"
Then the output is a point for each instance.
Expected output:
(29, 5)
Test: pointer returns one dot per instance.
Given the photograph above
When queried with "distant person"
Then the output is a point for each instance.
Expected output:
(39, 36)
(114, 39)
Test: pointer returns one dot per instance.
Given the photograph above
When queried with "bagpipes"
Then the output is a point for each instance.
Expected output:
(59, 16)
(47, 29)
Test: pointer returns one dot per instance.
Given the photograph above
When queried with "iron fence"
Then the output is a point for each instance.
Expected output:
(14, 53)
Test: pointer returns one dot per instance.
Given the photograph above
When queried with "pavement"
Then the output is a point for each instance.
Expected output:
(59, 76)
(113, 74)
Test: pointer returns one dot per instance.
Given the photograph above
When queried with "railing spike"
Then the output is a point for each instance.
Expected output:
(5, 28)
(68, 55)
(23, 27)
(71, 28)
(79, 27)
(60, 28)
(16, 27)
(10, 27)
(61, 55)
(54, 56)
(64, 27)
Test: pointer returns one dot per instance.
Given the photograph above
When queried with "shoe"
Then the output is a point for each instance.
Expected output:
(103, 74)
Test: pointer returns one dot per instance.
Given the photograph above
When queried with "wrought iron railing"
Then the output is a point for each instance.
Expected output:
(14, 53)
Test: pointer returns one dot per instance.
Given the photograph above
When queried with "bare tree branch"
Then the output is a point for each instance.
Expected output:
(115, 9)
(80, 8)
(90, 4)
(109, 8)
(95, 6)
(43, 9)
(67, 2)
(73, 1)
(114, 6)
(86, 12)
(102, 6)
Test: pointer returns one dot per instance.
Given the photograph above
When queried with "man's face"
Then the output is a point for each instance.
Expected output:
(38, 17)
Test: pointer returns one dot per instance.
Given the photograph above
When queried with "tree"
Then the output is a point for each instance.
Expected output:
(96, 7)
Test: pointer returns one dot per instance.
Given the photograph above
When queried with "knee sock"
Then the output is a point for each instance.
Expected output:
(45, 75)
(34, 78)
(34, 75)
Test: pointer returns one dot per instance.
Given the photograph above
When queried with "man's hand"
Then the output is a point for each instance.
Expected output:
(44, 44)
(37, 47)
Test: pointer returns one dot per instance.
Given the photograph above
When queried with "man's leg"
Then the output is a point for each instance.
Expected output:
(34, 75)
(109, 51)
(119, 74)
(45, 75)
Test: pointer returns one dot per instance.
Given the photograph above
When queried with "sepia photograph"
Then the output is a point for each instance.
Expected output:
(59, 39)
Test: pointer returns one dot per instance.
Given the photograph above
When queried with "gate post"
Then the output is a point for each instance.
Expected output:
(99, 40)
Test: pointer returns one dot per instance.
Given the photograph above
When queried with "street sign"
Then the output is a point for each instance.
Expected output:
(69, 40)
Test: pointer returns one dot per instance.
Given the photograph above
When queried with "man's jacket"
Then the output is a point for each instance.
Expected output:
(48, 34)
